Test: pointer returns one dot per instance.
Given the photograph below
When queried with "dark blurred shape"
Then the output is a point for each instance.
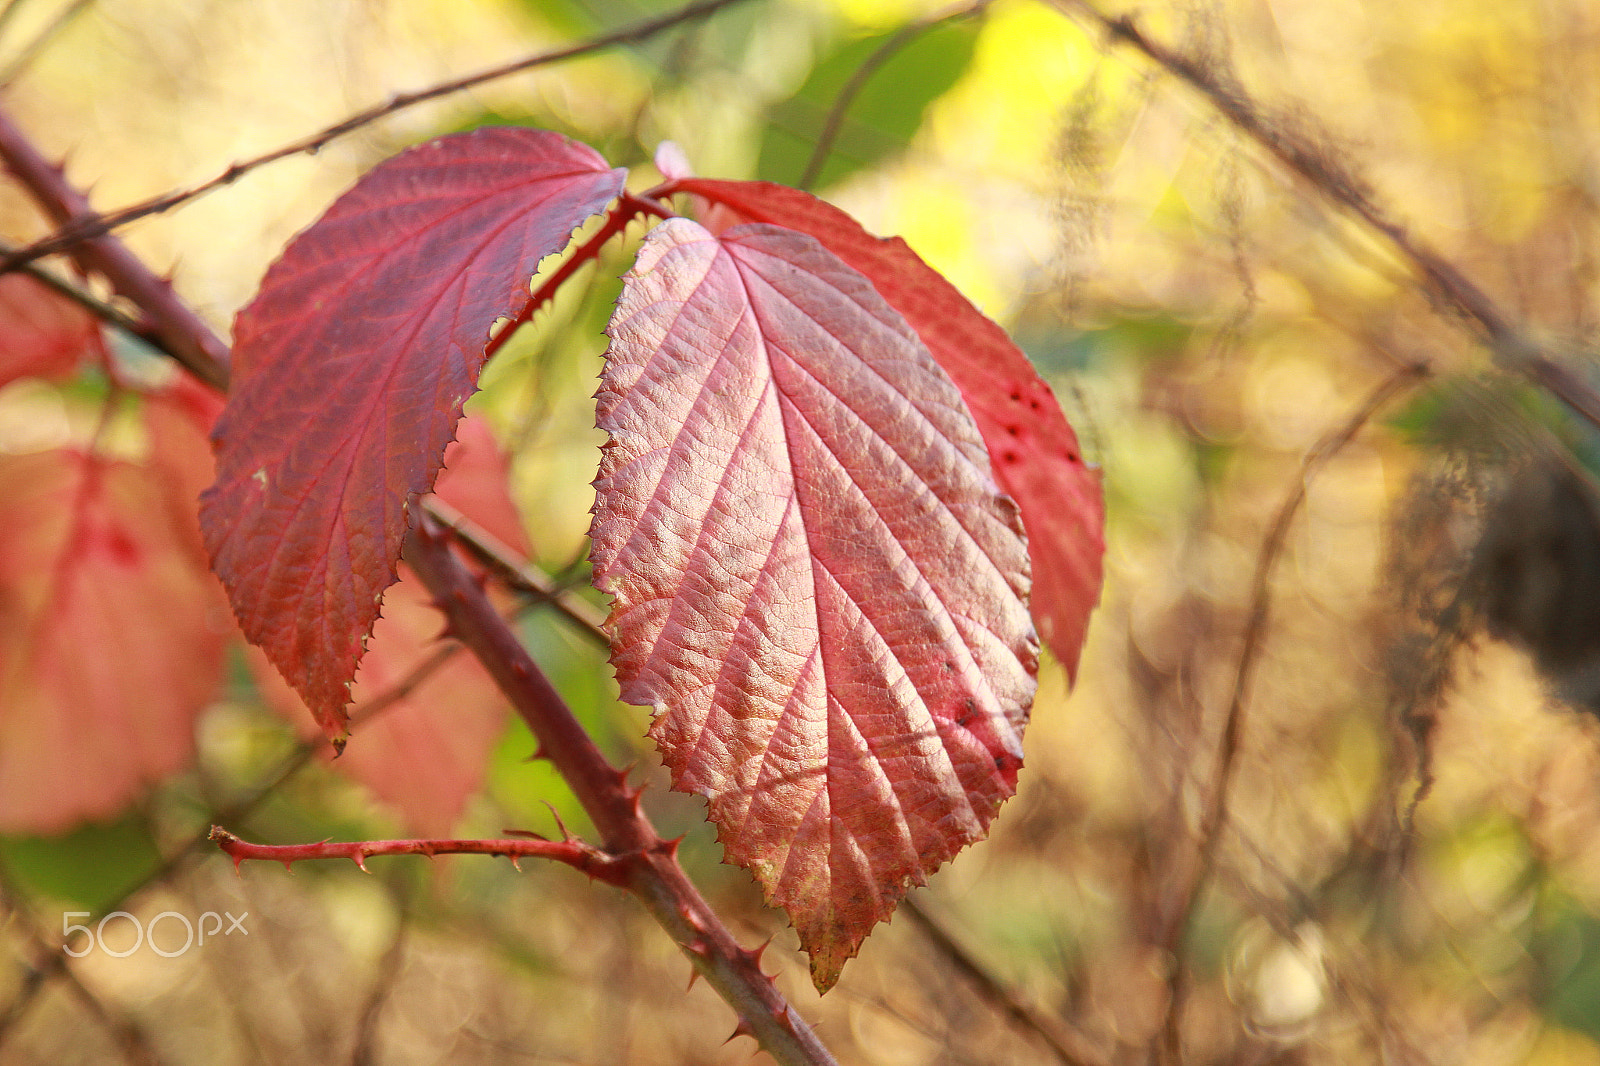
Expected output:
(1536, 574)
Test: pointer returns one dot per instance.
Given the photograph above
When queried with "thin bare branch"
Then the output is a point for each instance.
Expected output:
(1069, 1047)
(86, 225)
(105, 312)
(869, 66)
(519, 574)
(1440, 278)
(575, 853)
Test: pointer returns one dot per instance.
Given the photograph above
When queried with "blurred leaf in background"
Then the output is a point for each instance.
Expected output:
(891, 79)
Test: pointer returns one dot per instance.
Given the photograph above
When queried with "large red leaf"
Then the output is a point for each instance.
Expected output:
(109, 646)
(350, 369)
(817, 585)
(42, 333)
(1036, 456)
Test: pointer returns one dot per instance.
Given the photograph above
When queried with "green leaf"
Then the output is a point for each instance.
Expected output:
(881, 119)
(91, 867)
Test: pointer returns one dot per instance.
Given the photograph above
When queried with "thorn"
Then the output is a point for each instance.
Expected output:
(742, 1029)
(538, 753)
(566, 837)
(699, 947)
(514, 863)
(669, 848)
(694, 975)
(361, 861)
(755, 954)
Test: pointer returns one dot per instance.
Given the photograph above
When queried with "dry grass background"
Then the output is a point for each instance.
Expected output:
(1226, 340)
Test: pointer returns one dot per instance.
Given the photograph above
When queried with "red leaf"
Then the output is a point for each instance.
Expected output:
(1036, 456)
(350, 369)
(42, 333)
(426, 754)
(817, 584)
(108, 646)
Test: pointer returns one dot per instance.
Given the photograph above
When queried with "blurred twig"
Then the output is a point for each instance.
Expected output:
(84, 224)
(1215, 816)
(1070, 1048)
(47, 961)
(869, 66)
(1286, 141)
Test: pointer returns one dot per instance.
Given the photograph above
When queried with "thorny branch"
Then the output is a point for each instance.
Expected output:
(648, 864)
(586, 858)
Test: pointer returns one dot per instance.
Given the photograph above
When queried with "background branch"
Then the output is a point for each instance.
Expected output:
(85, 225)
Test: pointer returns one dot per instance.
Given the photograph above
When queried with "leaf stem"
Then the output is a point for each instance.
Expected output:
(627, 208)
(648, 864)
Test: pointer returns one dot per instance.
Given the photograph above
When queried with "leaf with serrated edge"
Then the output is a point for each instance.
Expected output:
(817, 584)
(350, 369)
(1036, 456)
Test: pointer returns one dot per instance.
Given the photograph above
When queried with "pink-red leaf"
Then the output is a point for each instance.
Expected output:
(110, 643)
(817, 584)
(42, 333)
(350, 369)
(1036, 456)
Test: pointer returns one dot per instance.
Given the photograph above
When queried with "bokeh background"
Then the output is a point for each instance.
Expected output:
(1409, 867)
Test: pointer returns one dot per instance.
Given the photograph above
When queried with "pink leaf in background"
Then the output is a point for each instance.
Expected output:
(42, 333)
(1036, 456)
(109, 646)
(816, 583)
(350, 369)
